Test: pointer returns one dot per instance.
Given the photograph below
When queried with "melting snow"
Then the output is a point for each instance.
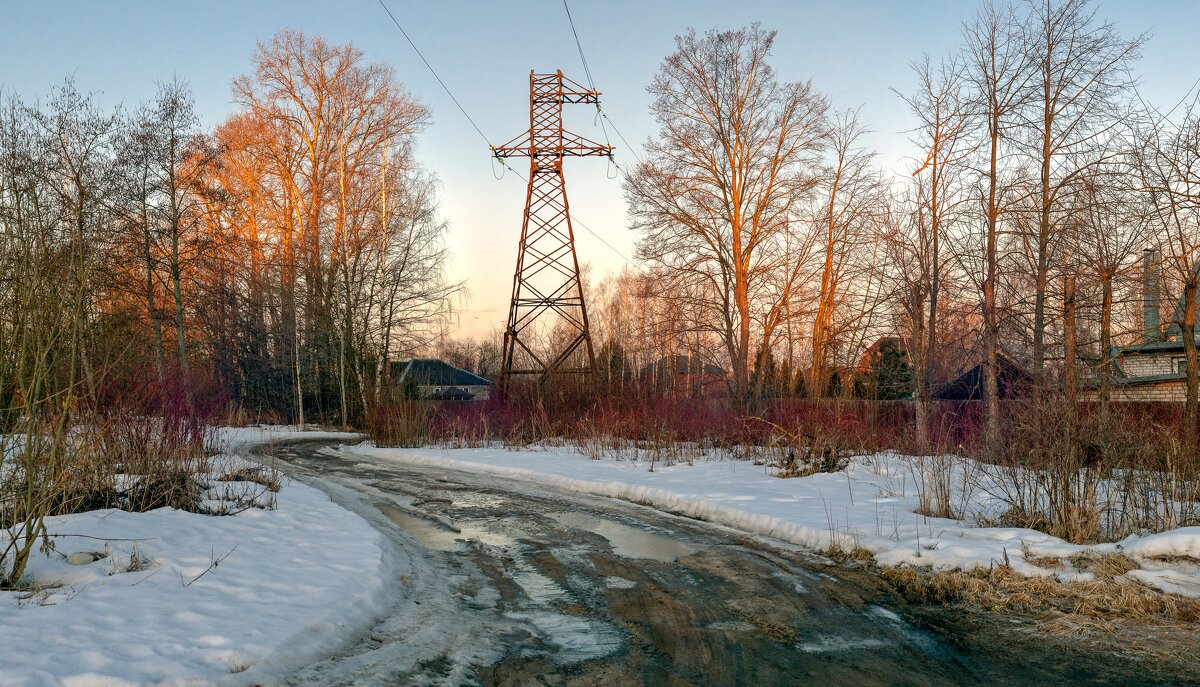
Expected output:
(871, 504)
(300, 578)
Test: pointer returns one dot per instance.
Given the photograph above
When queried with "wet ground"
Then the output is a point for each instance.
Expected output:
(520, 584)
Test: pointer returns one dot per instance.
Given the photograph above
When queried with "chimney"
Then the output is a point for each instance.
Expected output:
(1151, 294)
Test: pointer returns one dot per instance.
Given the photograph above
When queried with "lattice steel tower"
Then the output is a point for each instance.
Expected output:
(546, 283)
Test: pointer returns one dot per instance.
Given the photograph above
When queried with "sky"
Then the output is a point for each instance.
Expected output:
(854, 52)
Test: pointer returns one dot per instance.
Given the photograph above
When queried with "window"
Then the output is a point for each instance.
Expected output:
(1180, 366)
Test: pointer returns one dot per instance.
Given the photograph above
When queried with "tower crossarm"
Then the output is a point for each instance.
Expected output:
(570, 92)
(573, 145)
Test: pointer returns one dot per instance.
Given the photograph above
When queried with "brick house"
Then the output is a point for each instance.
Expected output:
(1154, 368)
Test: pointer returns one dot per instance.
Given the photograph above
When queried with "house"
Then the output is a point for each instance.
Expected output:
(1012, 380)
(1154, 368)
(684, 375)
(440, 381)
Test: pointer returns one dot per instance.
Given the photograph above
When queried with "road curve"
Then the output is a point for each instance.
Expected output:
(511, 583)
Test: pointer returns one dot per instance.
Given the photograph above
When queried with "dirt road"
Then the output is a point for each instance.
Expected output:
(520, 584)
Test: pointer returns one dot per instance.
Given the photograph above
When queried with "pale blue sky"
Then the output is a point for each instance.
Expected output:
(854, 52)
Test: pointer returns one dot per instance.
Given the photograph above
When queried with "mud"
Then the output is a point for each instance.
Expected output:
(575, 590)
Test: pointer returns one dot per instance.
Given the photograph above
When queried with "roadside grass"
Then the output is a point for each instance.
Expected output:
(1098, 606)
(1080, 472)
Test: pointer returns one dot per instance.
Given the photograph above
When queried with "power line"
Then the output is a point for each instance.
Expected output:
(484, 136)
(620, 135)
(587, 70)
(577, 220)
(435, 74)
(588, 73)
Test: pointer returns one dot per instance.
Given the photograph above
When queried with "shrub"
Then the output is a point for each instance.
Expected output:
(1087, 473)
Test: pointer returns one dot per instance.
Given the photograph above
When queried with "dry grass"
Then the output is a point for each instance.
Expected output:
(1107, 615)
(261, 476)
(849, 554)
(808, 449)
(1099, 605)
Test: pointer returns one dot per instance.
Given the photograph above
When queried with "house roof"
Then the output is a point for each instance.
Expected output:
(969, 385)
(1151, 347)
(434, 372)
(874, 351)
(1149, 379)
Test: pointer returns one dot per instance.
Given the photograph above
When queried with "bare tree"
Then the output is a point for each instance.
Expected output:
(1111, 230)
(351, 218)
(176, 128)
(850, 198)
(1168, 165)
(722, 182)
(998, 67)
(135, 209)
(942, 136)
(56, 171)
(1079, 86)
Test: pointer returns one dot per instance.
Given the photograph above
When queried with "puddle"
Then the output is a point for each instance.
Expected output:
(614, 582)
(626, 541)
(575, 638)
(431, 535)
(825, 645)
(539, 588)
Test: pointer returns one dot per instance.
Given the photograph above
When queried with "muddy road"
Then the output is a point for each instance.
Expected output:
(519, 584)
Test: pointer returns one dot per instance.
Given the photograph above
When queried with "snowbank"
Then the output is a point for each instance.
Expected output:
(291, 583)
(870, 505)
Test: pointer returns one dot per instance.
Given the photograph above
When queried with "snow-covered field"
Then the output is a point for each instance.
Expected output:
(870, 505)
(291, 582)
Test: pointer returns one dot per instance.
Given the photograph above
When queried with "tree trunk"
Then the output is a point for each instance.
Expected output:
(177, 289)
(991, 390)
(1106, 362)
(1192, 407)
(1070, 386)
(928, 376)
(151, 305)
(922, 389)
(1042, 276)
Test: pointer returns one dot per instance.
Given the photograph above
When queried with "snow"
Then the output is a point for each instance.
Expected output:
(1184, 541)
(296, 580)
(291, 583)
(871, 505)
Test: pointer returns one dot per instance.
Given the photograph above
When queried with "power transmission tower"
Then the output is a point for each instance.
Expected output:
(546, 285)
